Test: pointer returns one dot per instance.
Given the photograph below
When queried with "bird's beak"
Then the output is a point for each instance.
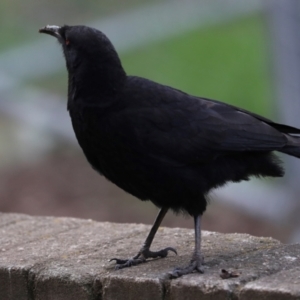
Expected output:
(52, 30)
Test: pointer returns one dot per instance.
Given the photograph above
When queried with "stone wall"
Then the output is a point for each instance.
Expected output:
(46, 258)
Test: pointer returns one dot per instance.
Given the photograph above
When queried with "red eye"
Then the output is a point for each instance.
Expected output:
(67, 42)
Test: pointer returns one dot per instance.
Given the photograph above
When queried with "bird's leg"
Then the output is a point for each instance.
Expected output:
(197, 258)
(145, 252)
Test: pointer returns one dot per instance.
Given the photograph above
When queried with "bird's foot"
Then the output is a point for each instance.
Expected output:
(141, 257)
(196, 265)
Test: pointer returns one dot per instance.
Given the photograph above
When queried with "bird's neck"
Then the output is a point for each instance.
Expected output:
(96, 84)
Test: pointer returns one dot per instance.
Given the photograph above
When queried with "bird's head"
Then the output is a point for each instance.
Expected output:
(88, 53)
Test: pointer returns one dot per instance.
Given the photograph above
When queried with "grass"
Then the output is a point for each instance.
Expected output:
(225, 62)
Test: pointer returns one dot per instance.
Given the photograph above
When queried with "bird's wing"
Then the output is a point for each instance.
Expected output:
(180, 129)
(180, 137)
(281, 127)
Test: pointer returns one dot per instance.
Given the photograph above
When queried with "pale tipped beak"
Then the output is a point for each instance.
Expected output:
(52, 30)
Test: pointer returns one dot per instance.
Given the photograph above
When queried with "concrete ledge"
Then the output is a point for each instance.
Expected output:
(64, 258)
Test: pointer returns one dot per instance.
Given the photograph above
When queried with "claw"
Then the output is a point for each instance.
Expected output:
(128, 263)
(172, 274)
(171, 249)
(119, 261)
(200, 269)
(195, 265)
(141, 257)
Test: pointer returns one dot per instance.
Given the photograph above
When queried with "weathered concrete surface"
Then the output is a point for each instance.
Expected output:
(64, 258)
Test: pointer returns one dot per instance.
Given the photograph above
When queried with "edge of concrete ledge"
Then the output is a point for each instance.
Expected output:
(67, 258)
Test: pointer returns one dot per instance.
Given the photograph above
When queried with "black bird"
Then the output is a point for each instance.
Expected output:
(159, 143)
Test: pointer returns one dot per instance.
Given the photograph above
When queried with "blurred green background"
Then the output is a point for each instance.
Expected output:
(227, 62)
(46, 174)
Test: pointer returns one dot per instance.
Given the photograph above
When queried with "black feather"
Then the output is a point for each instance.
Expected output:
(159, 143)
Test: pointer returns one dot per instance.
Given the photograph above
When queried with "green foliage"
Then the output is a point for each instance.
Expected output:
(226, 62)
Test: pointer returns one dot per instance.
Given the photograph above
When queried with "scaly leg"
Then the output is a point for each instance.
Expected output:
(145, 252)
(197, 259)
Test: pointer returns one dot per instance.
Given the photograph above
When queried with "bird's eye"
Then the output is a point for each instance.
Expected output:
(67, 42)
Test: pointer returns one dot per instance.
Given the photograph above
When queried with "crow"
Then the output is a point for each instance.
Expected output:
(159, 143)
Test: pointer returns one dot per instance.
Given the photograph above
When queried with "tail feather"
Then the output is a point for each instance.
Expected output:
(293, 146)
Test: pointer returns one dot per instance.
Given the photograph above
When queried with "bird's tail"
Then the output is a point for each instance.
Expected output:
(292, 147)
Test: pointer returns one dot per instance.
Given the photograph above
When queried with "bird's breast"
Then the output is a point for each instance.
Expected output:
(97, 140)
